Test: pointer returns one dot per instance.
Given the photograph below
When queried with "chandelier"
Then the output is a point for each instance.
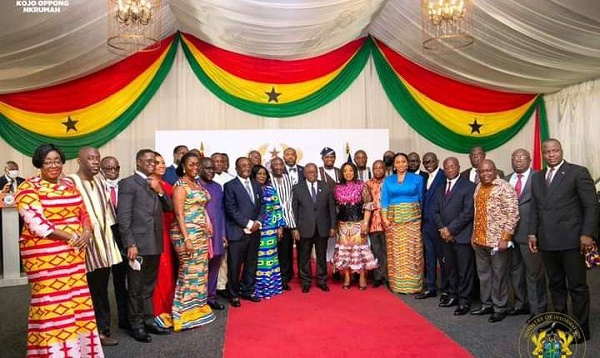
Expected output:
(446, 24)
(133, 25)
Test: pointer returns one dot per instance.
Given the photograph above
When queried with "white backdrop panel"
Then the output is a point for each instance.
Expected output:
(272, 142)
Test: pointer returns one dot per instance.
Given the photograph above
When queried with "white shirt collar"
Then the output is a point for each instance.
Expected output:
(141, 174)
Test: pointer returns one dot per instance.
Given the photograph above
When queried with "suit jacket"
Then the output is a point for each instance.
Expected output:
(3, 181)
(522, 229)
(430, 194)
(319, 216)
(329, 180)
(565, 211)
(239, 209)
(300, 172)
(465, 173)
(139, 215)
(455, 212)
(424, 175)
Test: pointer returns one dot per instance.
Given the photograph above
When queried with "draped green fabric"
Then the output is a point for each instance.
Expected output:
(428, 127)
(26, 141)
(320, 98)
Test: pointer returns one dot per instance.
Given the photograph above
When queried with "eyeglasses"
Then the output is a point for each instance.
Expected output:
(109, 169)
(521, 157)
(50, 163)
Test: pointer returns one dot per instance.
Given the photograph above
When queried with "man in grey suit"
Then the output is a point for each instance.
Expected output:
(526, 272)
(141, 205)
(564, 225)
(314, 211)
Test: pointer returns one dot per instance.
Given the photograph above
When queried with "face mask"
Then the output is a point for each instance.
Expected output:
(13, 174)
(112, 182)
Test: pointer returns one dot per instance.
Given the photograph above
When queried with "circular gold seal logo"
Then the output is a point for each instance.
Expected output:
(551, 335)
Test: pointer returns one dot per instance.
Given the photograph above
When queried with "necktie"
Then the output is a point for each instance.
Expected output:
(476, 177)
(313, 192)
(519, 185)
(249, 190)
(292, 169)
(549, 177)
(113, 197)
(448, 189)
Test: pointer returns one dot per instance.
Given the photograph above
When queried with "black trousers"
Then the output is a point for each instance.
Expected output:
(567, 274)
(379, 249)
(140, 286)
(460, 270)
(434, 253)
(305, 246)
(119, 272)
(242, 261)
(285, 252)
(98, 285)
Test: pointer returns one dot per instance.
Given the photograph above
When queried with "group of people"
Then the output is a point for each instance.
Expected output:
(175, 238)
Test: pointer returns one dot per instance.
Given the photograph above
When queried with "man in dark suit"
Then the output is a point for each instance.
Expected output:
(431, 236)
(526, 271)
(476, 156)
(314, 211)
(453, 216)
(242, 212)
(11, 179)
(329, 173)
(364, 172)
(139, 213)
(564, 225)
(178, 152)
(414, 165)
(295, 171)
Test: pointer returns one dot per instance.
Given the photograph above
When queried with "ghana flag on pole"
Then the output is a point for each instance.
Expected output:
(451, 114)
(89, 111)
(275, 88)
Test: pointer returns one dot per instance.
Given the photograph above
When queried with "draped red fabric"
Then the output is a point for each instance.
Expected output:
(537, 142)
(85, 91)
(276, 71)
(450, 92)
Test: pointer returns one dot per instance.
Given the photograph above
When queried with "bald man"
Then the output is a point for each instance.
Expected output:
(102, 251)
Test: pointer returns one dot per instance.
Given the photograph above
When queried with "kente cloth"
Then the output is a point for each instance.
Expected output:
(61, 315)
(190, 308)
(405, 248)
(268, 273)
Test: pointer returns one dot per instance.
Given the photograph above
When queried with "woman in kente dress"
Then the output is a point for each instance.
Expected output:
(190, 233)
(268, 272)
(352, 253)
(162, 298)
(401, 196)
(52, 244)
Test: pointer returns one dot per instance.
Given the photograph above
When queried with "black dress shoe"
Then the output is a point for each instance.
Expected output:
(425, 294)
(517, 311)
(286, 286)
(250, 298)
(106, 340)
(235, 302)
(216, 306)
(323, 287)
(444, 297)
(155, 329)
(449, 303)
(305, 288)
(140, 335)
(482, 311)
(462, 310)
(497, 317)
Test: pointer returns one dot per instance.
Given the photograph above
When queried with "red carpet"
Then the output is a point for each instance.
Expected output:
(340, 323)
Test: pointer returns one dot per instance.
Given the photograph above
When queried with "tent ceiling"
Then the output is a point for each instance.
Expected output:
(527, 46)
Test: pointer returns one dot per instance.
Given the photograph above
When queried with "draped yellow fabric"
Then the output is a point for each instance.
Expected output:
(89, 119)
(256, 91)
(458, 120)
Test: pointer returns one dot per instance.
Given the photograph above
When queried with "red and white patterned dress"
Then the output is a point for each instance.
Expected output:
(61, 315)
